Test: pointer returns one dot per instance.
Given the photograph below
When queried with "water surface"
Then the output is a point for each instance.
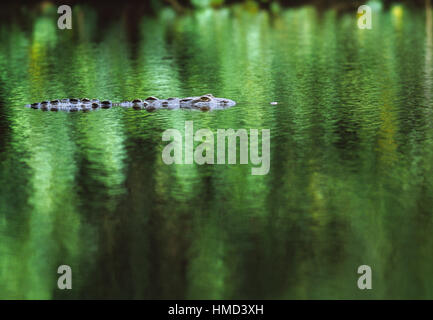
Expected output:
(351, 177)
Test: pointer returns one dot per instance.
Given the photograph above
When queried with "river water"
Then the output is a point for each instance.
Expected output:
(351, 157)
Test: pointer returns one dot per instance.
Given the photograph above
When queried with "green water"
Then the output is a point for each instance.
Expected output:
(351, 175)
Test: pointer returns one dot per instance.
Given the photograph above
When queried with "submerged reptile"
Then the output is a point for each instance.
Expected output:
(205, 102)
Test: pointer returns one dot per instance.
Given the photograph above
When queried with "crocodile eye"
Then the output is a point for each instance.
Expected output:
(205, 98)
(151, 99)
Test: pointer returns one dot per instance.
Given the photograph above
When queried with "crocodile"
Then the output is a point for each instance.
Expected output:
(205, 102)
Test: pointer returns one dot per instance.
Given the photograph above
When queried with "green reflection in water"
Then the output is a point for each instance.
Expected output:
(351, 156)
